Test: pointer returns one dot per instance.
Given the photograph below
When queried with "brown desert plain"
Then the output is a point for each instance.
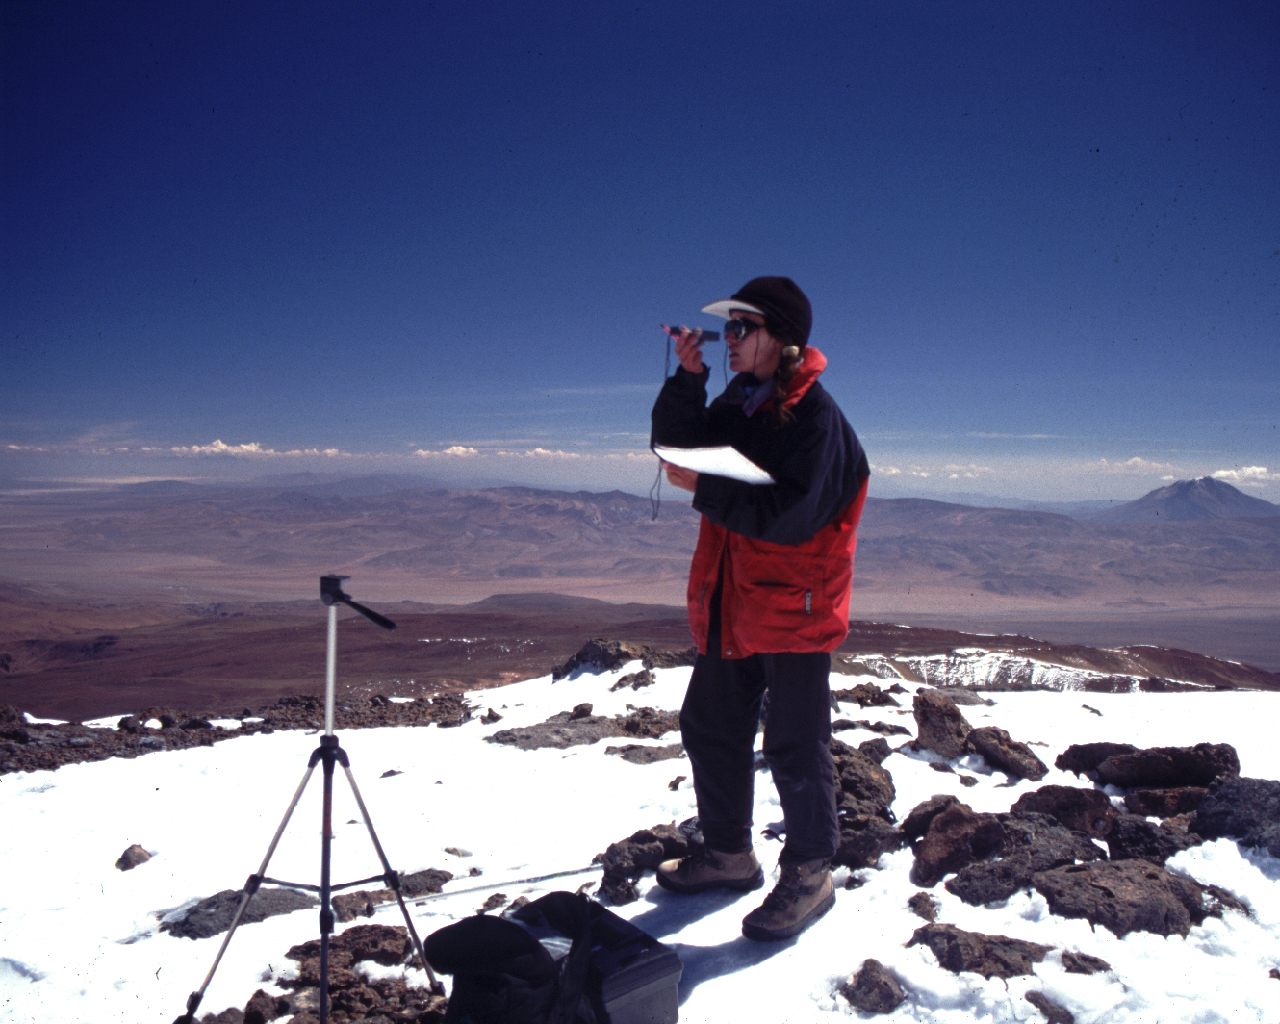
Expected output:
(114, 599)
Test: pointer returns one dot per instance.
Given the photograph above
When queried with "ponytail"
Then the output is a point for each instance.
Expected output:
(792, 357)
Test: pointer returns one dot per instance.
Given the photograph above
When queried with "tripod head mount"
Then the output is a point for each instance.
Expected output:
(331, 593)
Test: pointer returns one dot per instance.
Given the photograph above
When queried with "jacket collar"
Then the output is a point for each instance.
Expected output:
(752, 394)
(809, 370)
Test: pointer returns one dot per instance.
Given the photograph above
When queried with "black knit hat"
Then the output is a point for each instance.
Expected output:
(779, 300)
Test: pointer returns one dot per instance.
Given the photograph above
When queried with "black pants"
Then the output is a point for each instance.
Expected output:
(718, 726)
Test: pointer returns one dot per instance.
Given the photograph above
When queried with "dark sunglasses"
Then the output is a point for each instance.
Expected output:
(737, 329)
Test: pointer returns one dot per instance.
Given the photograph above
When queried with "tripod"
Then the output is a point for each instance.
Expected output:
(327, 755)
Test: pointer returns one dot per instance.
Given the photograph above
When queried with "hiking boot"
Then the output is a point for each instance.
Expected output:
(706, 869)
(803, 894)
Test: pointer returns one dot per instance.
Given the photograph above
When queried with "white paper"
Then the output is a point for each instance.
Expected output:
(723, 461)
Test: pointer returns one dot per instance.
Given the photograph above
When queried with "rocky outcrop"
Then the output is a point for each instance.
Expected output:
(26, 746)
(1006, 754)
(1031, 843)
(1247, 810)
(1127, 896)
(868, 695)
(213, 915)
(1166, 767)
(1084, 758)
(940, 726)
(873, 989)
(579, 726)
(599, 655)
(626, 860)
(956, 837)
(1087, 811)
(992, 956)
(1133, 837)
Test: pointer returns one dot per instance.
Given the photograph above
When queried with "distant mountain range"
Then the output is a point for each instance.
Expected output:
(1192, 554)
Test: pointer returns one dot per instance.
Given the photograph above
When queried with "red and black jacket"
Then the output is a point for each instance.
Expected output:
(781, 554)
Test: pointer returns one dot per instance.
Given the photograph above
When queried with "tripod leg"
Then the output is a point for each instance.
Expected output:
(329, 753)
(251, 886)
(393, 879)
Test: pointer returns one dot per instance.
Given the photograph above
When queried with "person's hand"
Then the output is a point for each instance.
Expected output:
(688, 347)
(678, 476)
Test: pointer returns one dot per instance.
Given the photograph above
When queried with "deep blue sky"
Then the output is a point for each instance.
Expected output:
(1042, 241)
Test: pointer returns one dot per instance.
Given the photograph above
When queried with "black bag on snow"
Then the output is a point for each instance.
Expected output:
(502, 973)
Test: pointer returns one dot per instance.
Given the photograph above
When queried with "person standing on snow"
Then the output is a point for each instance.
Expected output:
(768, 596)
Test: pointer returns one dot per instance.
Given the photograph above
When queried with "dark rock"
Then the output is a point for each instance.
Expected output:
(1088, 811)
(634, 681)
(1083, 963)
(580, 711)
(884, 728)
(1164, 803)
(347, 906)
(864, 839)
(574, 728)
(1048, 841)
(1125, 896)
(922, 815)
(262, 1008)
(864, 786)
(1162, 767)
(228, 1016)
(925, 905)
(1053, 1013)
(212, 915)
(1134, 837)
(1084, 758)
(132, 857)
(1247, 810)
(940, 726)
(421, 883)
(380, 943)
(625, 860)
(638, 754)
(599, 655)
(866, 695)
(873, 989)
(1008, 755)
(992, 956)
(957, 837)
(966, 697)
(1218, 900)
(1032, 842)
(876, 750)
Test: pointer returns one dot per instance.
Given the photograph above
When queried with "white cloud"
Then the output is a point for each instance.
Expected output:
(252, 448)
(456, 451)
(1137, 464)
(968, 472)
(918, 472)
(1247, 475)
(991, 435)
(540, 453)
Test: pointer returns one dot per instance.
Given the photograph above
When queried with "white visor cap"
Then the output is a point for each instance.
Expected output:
(725, 308)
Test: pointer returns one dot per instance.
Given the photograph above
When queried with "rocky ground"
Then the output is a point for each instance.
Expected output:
(1090, 857)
